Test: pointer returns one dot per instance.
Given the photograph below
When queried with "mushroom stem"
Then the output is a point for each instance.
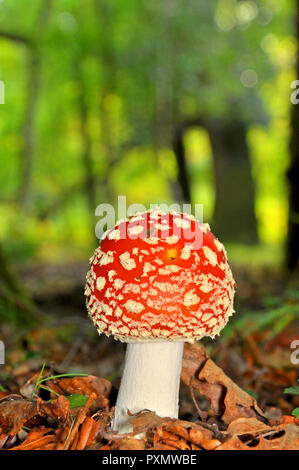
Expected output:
(150, 381)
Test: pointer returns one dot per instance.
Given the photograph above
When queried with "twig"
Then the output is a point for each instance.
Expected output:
(203, 414)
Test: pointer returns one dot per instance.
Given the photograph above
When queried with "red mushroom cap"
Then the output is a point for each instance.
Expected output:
(159, 276)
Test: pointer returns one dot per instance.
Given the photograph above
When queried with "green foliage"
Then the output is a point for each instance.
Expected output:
(293, 391)
(278, 313)
(77, 401)
(41, 380)
(126, 72)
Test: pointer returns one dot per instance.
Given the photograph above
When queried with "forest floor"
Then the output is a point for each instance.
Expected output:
(233, 390)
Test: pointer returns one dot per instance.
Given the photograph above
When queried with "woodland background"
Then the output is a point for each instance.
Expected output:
(170, 101)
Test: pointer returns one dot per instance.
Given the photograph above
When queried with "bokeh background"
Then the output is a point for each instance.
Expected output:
(160, 101)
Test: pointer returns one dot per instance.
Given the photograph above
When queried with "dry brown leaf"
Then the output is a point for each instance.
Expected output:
(177, 445)
(178, 430)
(282, 437)
(4, 394)
(14, 413)
(8, 442)
(237, 402)
(247, 426)
(161, 434)
(75, 442)
(84, 386)
(162, 446)
(79, 420)
(183, 435)
(57, 409)
(28, 388)
(127, 443)
(286, 419)
(192, 432)
(88, 433)
(196, 436)
(146, 420)
(215, 393)
(246, 434)
(50, 446)
(170, 433)
(164, 437)
(193, 359)
(228, 401)
(104, 419)
(62, 435)
(210, 444)
(37, 439)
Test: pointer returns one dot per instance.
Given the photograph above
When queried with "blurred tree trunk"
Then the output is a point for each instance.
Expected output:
(234, 218)
(182, 191)
(166, 103)
(104, 15)
(293, 176)
(89, 178)
(33, 87)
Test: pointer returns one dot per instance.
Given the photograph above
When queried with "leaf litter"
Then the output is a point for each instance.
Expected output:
(51, 411)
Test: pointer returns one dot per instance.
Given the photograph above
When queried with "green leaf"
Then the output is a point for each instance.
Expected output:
(295, 413)
(77, 401)
(292, 390)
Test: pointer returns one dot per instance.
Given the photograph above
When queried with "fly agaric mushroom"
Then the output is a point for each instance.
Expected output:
(154, 289)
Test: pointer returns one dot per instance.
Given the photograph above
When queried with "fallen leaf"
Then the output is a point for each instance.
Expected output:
(83, 386)
(79, 420)
(146, 420)
(62, 435)
(14, 413)
(247, 426)
(252, 436)
(36, 439)
(228, 401)
(27, 389)
(286, 419)
(183, 435)
(127, 443)
(57, 409)
(88, 432)
(237, 402)
(210, 444)
(161, 446)
(193, 359)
